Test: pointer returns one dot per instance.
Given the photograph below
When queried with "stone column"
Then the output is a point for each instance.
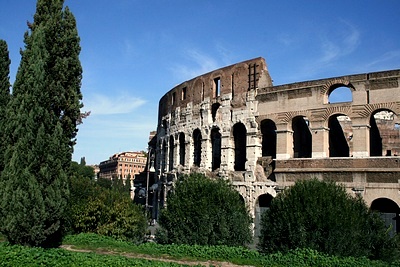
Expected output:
(227, 152)
(189, 151)
(320, 139)
(205, 151)
(284, 141)
(253, 150)
(361, 137)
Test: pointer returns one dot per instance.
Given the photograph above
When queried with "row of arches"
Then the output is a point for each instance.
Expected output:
(383, 132)
(240, 147)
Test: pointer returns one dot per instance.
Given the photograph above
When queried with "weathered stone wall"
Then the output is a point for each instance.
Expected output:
(242, 96)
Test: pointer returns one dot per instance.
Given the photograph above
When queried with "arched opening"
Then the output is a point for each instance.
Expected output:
(388, 210)
(216, 148)
(163, 156)
(242, 199)
(384, 134)
(197, 147)
(182, 149)
(239, 136)
(340, 134)
(268, 131)
(339, 93)
(302, 139)
(262, 204)
(214, 111)
(171, 153)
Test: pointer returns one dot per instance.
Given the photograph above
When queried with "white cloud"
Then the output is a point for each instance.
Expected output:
(200, 64)
(101, 136)
(330, 48)
(128, 49)
(336, 46)
(114, 104)
(391, 56)
(286, 39)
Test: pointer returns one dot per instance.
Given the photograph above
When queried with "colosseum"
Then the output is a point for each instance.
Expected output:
(235, 124)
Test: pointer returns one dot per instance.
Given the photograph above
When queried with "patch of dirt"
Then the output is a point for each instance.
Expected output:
(148, 257)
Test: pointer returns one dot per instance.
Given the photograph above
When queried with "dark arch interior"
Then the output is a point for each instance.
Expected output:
(302, 139)
(383, 134)
(268, 131)
(214, 110)
(171, 153)
(182, 150)
(338, 146)
(239, 134)
(389, 212)
(216, 148)
(197, 147)
(265, 200)
(384, 205)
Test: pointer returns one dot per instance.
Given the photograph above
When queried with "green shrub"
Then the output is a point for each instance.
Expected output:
(324, 217)
(204, 212)
(95, 209)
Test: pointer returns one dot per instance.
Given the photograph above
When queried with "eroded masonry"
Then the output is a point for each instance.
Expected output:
(235, 124)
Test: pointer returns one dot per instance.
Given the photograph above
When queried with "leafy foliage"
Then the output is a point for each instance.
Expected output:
(83, 171)
(95, 209)
(204, 212)
(322, 216)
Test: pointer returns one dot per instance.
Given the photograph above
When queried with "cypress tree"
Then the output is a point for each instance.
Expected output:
(41, 128)
(4, 95)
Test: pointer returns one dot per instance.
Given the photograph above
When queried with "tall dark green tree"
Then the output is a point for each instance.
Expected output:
(4, 95)
(41, 128)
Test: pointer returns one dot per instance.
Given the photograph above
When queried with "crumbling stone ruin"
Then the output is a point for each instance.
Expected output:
(233, 123)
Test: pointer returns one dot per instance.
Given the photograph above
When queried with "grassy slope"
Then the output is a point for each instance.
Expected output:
(100, 245)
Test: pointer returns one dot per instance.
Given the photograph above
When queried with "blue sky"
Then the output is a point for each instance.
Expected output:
(134, 51)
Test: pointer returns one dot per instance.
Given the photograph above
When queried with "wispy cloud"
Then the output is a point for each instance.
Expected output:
(114, 127)
(333, 47)
(109, 134)
(391, 56)
(330, 47)
(286, 39)
(106, 105)
(198, 63)
(128, 49)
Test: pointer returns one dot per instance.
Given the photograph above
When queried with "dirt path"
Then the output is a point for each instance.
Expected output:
(147, 257)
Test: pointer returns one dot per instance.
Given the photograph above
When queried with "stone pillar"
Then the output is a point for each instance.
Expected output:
(320, 139)
(205, 151)
(284, 141)
(253, 150)
(167, 154)
(227, 152)
(176, 151)
(360, 137)
(189, 151)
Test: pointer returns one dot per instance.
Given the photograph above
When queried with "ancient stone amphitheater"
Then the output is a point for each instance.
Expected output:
(235, 124)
